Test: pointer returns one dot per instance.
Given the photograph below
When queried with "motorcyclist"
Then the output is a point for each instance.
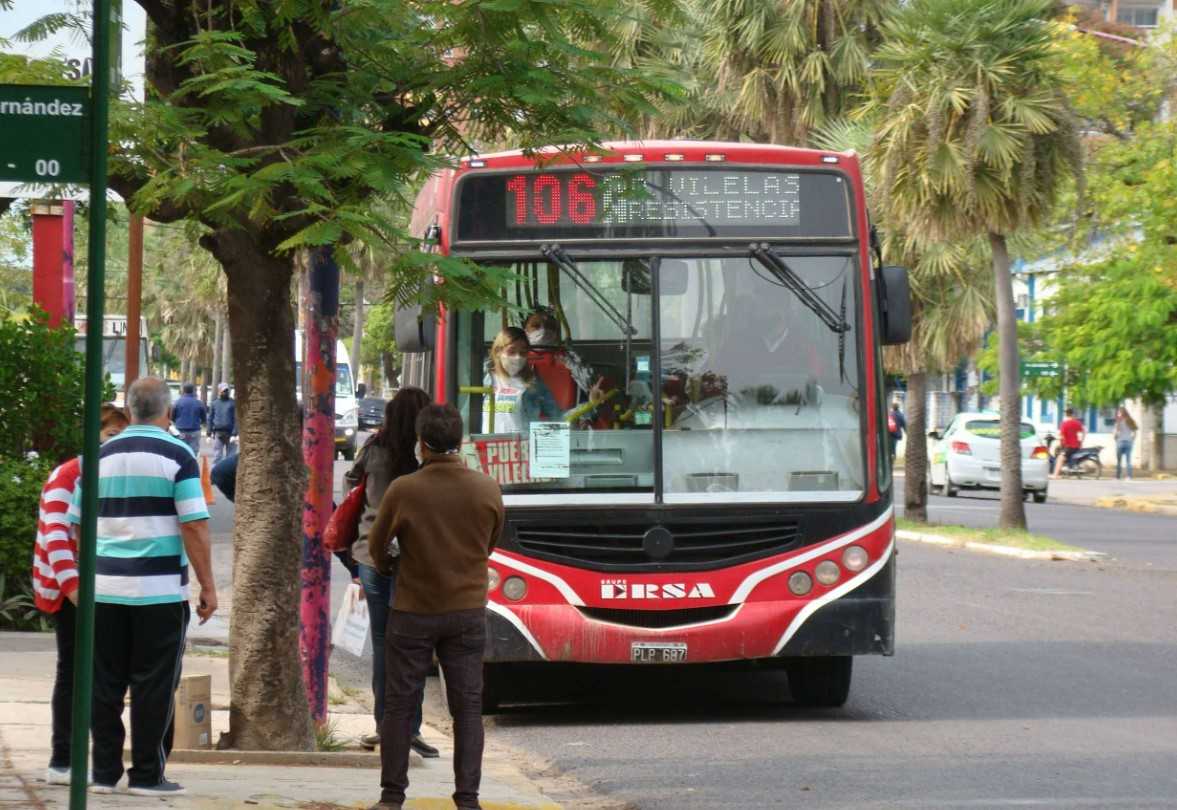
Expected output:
(1071, 435)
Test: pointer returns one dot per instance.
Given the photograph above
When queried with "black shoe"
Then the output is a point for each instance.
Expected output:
(369, 741)
(423, 748)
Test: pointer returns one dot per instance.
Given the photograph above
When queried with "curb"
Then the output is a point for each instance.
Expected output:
(316, 759)
(1005, 551)
(1140, 505)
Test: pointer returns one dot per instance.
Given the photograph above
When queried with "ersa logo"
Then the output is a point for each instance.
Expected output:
(621, 589)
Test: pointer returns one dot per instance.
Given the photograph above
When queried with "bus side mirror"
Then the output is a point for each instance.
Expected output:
(895, 291)
(414, 330)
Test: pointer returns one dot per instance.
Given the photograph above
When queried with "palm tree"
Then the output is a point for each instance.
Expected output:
(975, 140)
(764, 70)
(952, 307)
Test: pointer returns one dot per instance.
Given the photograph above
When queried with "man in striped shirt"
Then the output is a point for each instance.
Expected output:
(152, 522)
(55, 587)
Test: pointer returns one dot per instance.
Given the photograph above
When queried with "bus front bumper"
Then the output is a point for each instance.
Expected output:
(860, 622)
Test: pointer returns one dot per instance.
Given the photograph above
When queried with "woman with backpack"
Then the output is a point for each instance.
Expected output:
(387, 455)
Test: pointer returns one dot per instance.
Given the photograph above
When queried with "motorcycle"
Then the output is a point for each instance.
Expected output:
(1084, 462)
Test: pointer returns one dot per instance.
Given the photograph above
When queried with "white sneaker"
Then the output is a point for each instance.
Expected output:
(95, 787)
(57, 776)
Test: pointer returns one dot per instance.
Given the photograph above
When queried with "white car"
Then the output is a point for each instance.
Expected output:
(967, 455)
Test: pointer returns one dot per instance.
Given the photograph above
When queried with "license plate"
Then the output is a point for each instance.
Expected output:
(656, 652)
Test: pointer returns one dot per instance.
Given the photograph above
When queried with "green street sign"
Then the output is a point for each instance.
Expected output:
(1041, 369)
(44, 134)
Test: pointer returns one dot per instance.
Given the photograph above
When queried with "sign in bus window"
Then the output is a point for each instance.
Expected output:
(662, 202)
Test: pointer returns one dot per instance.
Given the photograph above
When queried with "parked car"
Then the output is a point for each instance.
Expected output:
(967, 455)
(370, 412)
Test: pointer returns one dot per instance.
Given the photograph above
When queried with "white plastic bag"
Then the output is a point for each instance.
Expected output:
(351, 623)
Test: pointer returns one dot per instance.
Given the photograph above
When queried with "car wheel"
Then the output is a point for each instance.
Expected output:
(820, 681)
(1040, 497)
(949, 490)
(1090, 468)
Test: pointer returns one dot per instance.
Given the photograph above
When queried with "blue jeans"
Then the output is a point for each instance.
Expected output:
(1124, 451)
(378, 592)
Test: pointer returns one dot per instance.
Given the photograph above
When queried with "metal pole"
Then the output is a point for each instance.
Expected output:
(84, 639)
(134, 297)
(318, 451)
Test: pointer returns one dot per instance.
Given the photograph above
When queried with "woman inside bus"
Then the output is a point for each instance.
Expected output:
(560, 369)
(520, 396)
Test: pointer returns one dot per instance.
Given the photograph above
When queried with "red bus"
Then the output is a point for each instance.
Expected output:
(694, 456)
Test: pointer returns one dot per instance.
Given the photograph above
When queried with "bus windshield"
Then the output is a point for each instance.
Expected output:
(755, 392)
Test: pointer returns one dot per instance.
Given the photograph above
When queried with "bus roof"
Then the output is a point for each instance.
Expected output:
(656, 152)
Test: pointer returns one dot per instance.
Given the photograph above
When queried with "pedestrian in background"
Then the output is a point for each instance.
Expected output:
(152, 522)
(446, 518)
(222, 423)
(55, 587)
(896, 427)
(1071, 434)
(188, 415)
(1125, 436)
(385, 457)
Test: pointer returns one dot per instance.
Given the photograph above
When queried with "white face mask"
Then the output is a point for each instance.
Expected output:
(537, 337)
(417, 454)
(514, 364)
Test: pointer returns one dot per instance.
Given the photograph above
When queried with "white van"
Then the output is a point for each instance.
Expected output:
(346, 423)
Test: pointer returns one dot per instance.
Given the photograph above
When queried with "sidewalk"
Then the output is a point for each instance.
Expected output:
(235, 781)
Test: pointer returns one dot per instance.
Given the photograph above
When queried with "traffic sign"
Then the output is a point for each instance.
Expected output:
(1040, 369)
(44, 134)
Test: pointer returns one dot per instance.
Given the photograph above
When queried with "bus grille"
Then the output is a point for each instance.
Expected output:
(693, 543)
(659, 619)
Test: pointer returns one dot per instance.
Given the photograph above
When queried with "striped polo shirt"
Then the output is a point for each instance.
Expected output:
(148, 484)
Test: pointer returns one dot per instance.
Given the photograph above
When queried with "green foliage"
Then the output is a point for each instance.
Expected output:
(21, 481)
(288, 122)
(975, 133)
(1032, 348)
(42, 376)
(18, 611)
(379, 333)
(1115, 324)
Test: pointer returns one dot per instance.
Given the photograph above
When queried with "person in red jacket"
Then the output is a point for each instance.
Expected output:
(55, 587)
(1071, 435)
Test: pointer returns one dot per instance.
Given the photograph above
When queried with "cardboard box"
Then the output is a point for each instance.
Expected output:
(194, 717)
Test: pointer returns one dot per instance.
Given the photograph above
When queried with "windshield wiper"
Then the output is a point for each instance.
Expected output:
(789, 279)
(556, 255)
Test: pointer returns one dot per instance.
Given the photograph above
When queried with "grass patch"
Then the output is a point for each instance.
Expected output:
(1015, 538)
(327, 737)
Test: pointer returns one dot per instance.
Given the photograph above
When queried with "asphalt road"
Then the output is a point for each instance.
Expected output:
(1015, 684)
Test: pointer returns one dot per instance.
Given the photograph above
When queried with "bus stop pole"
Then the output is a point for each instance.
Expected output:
(87, 548)
(134, 300)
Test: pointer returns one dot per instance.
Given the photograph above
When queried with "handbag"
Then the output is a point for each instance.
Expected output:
(344, 526)
(351, 623)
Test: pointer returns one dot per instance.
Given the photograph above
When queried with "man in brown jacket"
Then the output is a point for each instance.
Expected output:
(446, 519)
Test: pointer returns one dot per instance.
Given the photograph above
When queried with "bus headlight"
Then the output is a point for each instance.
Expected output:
(515, 588)
(827, 572)
(800, 583)
(492, 579)
(855, 558)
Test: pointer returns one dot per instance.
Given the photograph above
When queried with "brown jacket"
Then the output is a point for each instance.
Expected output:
(446, 519)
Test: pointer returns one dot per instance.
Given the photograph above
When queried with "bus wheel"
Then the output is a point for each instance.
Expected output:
(820, 681)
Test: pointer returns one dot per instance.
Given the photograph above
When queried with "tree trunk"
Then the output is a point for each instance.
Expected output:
(218, 349)
(357, 332)
(1013, 508)
(186, 370)
(915, 466)
(1152, 437)
(227, 359)
(268, 707)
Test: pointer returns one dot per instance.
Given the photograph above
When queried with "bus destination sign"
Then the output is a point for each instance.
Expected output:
(651, 203)
(721, 198)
